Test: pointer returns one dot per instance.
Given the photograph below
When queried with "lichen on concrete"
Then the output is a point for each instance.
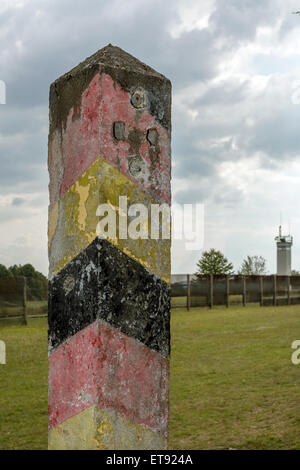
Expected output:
(109, 297)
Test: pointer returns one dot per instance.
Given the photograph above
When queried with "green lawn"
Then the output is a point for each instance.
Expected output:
(232, 381)
(23, 385)
(233, 384)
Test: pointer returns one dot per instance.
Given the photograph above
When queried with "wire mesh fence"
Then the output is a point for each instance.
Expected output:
(15, 303)
(13, 297)
(188, 290)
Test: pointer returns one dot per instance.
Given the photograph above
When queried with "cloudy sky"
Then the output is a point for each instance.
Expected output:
(235, 70)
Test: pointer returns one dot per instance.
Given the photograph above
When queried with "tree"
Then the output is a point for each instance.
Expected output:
(37, 283)
(27, 270)
(294, 272)
(213, 262)
(4, 272)
(253, 265)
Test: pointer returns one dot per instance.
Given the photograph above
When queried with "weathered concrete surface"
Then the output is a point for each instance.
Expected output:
(104, 283)
(100, 429)
(109, 300)
(100, 365)
(73, 220)
(85, 104)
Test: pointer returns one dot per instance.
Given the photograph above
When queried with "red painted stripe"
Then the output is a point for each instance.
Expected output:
(100, 365)
(88, 135)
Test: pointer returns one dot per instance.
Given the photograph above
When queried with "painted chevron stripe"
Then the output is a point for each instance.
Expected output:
(87, 132)
(104, 283)
(73, 220)
(98, 428)
(103, 366)
(109, 297)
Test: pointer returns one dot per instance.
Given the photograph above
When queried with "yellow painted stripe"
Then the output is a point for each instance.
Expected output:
(100, 429)
(73, 220)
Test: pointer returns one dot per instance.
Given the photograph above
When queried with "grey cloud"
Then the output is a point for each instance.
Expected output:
(290, 22)
(226, 114)
(218, 193)
(226, 93)
(21, 241)
(277, 135)
(238, 21)
(23, 148)
(18, 201)
(62, 34)
(40, 200)
(16, 120)
(24, 165)
(48, 52)
(192, 196)
(7, 214)
(192, 163)
(199, 154)
(59, 37)
(228, 196)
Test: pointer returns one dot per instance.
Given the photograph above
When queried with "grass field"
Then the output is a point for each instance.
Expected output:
(23, 385)
(233, 384)
(232, 381)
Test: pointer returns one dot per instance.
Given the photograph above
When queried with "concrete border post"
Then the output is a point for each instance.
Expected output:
(109, 293)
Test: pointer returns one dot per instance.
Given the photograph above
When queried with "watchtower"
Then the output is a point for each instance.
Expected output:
(284, 253)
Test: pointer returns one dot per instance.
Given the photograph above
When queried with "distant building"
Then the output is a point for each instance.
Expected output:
(284, 254)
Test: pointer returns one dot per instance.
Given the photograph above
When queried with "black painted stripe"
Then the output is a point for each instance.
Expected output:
(104, 283)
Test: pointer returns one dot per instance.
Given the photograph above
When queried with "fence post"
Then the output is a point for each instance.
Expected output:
(188, 297)
(275, 290)
(25, 301)
(261, 291)
(288, 290)
(244, 291)
(211, 303)
(227, 290)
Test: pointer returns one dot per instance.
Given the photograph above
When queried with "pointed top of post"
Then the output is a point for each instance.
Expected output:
(116, 58)
(129, 72)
